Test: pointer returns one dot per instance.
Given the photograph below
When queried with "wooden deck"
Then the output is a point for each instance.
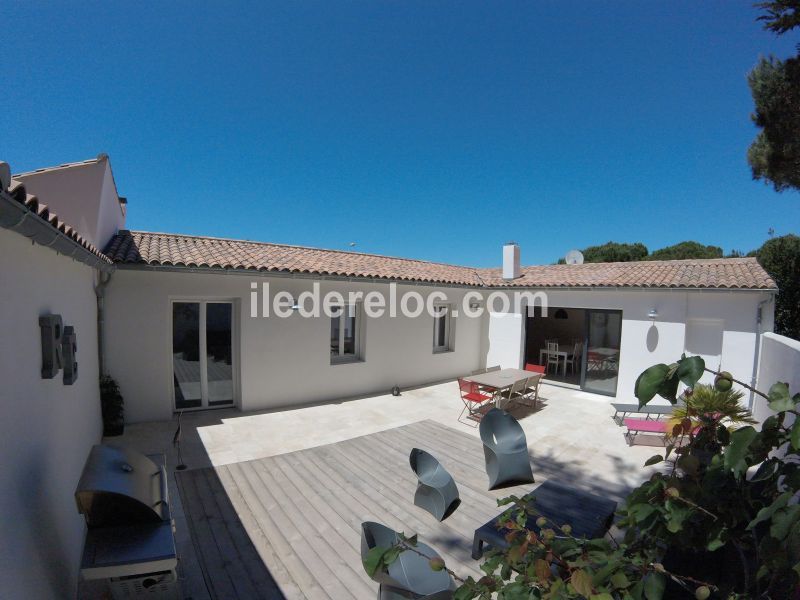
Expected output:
(290, 525)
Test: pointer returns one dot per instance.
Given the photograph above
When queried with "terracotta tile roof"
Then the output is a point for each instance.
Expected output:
(164, 249)
(721, 273)
(17, 191)
(190, 251)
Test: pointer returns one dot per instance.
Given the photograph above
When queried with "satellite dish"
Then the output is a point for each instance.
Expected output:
(574, 257)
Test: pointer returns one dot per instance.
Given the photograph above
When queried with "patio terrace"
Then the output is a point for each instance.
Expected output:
(288, 489)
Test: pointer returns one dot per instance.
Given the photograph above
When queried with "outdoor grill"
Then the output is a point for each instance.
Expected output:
(129, 540)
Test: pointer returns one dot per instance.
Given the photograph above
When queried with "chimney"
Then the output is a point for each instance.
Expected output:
(511, 268)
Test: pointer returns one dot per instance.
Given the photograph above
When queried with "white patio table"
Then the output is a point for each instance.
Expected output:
(500, 380)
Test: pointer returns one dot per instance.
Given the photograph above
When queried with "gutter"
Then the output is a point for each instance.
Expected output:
(20, 219)
(103, 280)
(757, 353)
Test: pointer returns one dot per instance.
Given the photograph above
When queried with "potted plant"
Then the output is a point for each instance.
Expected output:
(112, 406)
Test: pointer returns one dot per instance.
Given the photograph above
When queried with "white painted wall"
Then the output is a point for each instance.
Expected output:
(84, 196)
(46, 427)
(779, 361)
(645, 342)
(505, 343)
(282, 362)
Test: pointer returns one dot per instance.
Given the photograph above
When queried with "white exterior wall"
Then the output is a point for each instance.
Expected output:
(84, 196)
(779, 361)
(645, 342)
(47, 428)
(282, 362)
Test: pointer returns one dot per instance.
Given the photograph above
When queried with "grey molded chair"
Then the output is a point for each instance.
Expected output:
(436, 491)
(410, 576)
(505, 449)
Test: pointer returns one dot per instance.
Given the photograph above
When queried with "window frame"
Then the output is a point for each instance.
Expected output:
(448, 331)
(341, 357)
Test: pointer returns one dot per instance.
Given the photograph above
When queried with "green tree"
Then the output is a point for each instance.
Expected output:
(774, 155)
(613, 252)
(780, 15)
(780, 257)
(685, 250)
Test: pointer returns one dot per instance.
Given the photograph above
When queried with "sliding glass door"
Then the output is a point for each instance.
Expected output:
(604, 332)
(202, 354)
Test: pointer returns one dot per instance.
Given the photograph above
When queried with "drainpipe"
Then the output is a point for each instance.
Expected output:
(100, 289)
(757, 353)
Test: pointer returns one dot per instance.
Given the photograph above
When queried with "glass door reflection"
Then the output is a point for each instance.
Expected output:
(604, 333)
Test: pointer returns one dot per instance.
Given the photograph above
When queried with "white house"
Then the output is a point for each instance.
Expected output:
(179, 322)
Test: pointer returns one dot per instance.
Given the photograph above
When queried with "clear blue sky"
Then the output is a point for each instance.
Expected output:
(431, 130)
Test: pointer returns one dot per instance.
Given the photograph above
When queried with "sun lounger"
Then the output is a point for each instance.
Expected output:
(652, 412)
(589, 515)
(637, 426)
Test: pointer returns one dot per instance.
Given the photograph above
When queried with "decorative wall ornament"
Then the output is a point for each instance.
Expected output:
(52, 329)
(69, 349)
(59, 348)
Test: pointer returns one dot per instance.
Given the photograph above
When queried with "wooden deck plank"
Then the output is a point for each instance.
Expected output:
(215, 575)
(303, 512)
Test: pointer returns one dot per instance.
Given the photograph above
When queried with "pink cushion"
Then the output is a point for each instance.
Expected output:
(646, 425)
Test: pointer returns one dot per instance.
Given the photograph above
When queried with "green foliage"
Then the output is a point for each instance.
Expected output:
(685, 250)
(775, 153)
(780, 15)
(614, 252)
(717, 520)
(112, 406)
(780, 257)
(663, 379)
(707, 402)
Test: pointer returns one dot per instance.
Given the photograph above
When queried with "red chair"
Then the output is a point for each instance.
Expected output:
(535, 368)
(473, 399)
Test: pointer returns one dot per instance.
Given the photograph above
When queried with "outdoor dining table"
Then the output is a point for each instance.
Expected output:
(500, 380)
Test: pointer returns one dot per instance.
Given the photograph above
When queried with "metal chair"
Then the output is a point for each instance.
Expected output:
(493, 368)
(410, 575)
(531, 391)
(505, 449)
(473, 398)
(512, 394)
(573, 359)
(436, 490)
(552, 355)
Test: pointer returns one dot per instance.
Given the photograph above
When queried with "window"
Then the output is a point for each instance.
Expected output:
(442, 328)
(345, 325)
(202, 354)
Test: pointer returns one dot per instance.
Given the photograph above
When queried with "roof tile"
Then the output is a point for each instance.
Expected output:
(166, 249)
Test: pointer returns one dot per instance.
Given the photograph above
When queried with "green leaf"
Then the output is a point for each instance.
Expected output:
(767, 512)
(779, 399)
(736, 452)
(653, 460)
(641, 511)
(374, 560)
(391, 555)
(782, 521)
(582, 582)
(717, 542)
(669, 388)
(654, 585)
(619, 580)
(689, 464)
(603, 596)
(676, 516)
(690, 370)
(649, 382)
(795, 438)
